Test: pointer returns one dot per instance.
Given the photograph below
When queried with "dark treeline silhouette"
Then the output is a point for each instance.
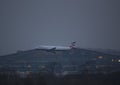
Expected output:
(14, 79)
(81, 79)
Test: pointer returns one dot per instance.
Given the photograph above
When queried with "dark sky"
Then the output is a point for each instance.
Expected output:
(27, 24)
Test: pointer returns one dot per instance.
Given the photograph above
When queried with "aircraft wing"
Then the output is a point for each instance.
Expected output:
(52, 50)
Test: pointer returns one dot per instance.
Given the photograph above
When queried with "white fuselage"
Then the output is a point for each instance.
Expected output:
(56, 47)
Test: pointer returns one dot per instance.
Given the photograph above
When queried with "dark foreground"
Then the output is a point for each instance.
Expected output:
(82, 79)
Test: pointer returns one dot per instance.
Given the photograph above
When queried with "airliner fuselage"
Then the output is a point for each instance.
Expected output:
(56, 47)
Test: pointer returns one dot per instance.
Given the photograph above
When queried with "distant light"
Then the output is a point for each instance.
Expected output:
(100, 57)
(112, 60)
(119, 60)
(43, 66)
(29, 66)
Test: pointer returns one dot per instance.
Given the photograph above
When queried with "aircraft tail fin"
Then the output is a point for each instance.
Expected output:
(73, 45)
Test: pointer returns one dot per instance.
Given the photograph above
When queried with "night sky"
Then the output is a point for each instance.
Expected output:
(27, 24)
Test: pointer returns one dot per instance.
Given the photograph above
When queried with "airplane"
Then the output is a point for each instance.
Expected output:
(54, 48)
